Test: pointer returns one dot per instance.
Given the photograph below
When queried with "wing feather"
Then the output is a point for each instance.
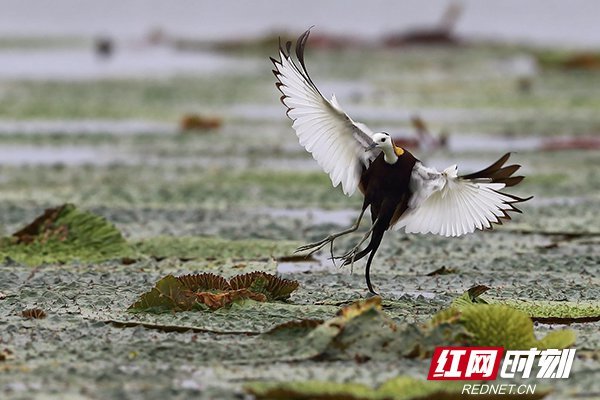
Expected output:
(446, 204)
(335, 141)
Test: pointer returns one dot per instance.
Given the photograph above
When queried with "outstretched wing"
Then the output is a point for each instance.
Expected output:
(335, 141)
(446, 204)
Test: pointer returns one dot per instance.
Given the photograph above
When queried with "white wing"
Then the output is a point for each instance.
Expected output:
(445, 204)
(335, 141)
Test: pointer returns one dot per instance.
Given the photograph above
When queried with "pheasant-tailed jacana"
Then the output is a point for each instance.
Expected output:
(401, 191)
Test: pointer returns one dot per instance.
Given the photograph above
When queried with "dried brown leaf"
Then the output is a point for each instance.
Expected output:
(215, 301)
(34, 313)
(41, 226)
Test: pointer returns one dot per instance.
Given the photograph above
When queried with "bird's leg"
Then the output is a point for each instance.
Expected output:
(349, 256)
(368, 275)
(376, 232)
(316, 246)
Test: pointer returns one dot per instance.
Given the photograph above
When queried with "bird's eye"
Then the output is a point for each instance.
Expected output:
(382, 140)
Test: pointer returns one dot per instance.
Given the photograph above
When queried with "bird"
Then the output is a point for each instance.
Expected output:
(400, 191)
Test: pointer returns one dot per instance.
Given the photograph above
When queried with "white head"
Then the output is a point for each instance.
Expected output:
(383, 141)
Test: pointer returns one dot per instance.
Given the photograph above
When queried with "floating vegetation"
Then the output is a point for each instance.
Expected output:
(550, 312)
(210, 291)
(362, 331)
(272, 287)
(501, 325)
(497, 324)
(65, 234)
(33, 313)
(399, 388)
(190, 248)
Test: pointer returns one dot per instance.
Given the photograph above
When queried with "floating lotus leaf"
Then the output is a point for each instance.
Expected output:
(187, 292)
(65, 234)
(203, 282)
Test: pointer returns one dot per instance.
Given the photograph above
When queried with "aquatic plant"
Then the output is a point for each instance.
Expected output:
(399, 388)
(65, 234)
(207, 290)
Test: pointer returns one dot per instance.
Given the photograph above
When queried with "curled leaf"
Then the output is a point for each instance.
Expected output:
(471, 297)
(203, 282)
(273, 287)
(33, 313)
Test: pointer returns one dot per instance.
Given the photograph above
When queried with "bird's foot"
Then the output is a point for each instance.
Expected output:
(316, 246)
(349, 257)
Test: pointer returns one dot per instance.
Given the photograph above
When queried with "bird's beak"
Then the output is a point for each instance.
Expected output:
(371, 147)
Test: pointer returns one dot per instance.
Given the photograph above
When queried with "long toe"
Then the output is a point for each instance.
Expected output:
(306, 247)
(347, 261)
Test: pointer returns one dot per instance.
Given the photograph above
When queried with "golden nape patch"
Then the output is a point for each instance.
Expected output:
(398, 150)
